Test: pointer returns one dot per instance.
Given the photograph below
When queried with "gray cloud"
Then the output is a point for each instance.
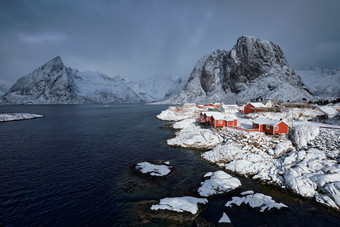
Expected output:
(138, 38)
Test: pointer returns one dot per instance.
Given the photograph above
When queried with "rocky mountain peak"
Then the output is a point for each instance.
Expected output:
(54, 83)
(253, 68)
(55, 64)
(250, 58)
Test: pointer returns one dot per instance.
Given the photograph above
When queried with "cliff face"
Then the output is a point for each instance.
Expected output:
(53, 83)
(253, 68)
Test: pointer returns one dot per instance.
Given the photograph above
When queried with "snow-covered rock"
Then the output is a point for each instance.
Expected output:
(305, 172)
(184, 123)
(177, 113)
(330, 195)
(253, 68)
(180, 204)
(54, 83)
(257, 200)
(18, 116)
(224, 219)
(152, 169)
(299, 184)
(222, 153)
(195, 137)
(301, 135)
(219, 182)
(283, 148)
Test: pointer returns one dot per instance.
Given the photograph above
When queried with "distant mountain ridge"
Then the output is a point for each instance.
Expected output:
(156, 87)
(253, 68)
(53, 83)
(322, 82)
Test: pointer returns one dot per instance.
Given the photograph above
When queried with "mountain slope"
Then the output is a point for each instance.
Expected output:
(53, 83)
(322, 82)
(253, 68)
(155, 88)
(3, 89)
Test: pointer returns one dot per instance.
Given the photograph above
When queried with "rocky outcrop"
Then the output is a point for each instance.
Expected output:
(253, 68)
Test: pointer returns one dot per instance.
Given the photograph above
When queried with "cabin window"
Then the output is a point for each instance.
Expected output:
(220, 122)
(276, 128)
(268, 127)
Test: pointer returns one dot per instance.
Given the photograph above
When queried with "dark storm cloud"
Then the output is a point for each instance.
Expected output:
(137, 38)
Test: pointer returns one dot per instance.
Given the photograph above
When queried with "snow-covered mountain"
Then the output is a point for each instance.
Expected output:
(53, 83)
(253, 68)
(3, 89)
(322, 82)
(156, 88)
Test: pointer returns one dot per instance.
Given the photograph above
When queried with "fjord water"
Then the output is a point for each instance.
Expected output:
(73, 168)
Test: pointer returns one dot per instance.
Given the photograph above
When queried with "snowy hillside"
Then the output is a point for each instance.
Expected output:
(322, 82)
(155, 88)
(253, 68)
(3, 89)
(53, 83)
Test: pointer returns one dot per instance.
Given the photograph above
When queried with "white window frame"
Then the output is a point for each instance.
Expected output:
(276, 128)
(220, 122)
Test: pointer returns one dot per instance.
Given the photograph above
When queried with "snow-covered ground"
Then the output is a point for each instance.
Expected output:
(180, 204)
(18, 116)
(277, 161)
(306, 162)
(257, 200)
(195, 137)
(178, 113)
(152, 169)
(219, 182)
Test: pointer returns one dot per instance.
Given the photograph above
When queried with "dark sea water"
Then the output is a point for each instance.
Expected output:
(73, 168)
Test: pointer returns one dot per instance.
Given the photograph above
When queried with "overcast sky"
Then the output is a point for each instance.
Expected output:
(139, 38)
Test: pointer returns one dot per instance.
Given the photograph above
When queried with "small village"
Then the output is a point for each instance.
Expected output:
(218, 115)
(291, 145)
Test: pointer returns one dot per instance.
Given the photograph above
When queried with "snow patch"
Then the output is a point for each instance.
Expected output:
(224, 219)
(180, 204)
(219, 182)
(18, 116)
(257, 200)
(152, 169)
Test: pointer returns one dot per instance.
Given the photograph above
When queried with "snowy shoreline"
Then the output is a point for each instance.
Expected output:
(6, 117)
(306, 163)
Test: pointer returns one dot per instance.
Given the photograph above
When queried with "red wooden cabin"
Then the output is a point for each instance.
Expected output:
(223, 120)
(251, 107)
(270, 126)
